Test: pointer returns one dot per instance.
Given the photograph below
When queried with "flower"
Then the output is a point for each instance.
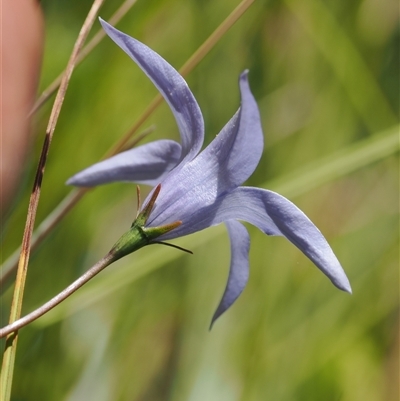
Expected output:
(201, 189)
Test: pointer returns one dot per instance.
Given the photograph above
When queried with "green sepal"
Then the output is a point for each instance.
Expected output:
(139, 236)
(131, 241)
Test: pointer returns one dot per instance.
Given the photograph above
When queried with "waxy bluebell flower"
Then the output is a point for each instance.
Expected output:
(201, 189)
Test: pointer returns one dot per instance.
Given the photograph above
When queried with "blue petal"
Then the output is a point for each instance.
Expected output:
(239, 268)
(276, 215)
(237, 149)
(230, 158)
(146, 164)
(171, 85)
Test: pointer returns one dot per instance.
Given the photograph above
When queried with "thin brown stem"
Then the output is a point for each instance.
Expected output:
(93, 271)
(97, 38)
(11, 343)
(213, 39)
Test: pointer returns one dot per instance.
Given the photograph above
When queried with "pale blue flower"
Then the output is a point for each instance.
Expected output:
(202, 189)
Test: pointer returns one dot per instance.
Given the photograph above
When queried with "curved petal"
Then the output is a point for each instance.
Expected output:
(171, 85)
(146, 164)
(276, 215)
(239, 146)
(239, 267)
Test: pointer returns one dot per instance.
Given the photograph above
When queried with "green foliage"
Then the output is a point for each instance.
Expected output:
(324, 76)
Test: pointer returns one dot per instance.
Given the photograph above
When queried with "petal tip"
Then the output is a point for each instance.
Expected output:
(76, 181)
(211, 325)
(73, 183)
(347, 288)
(72, 180)
(103, 23)
(244, 75)
(217, 314)
(343, 284)
(106, 26)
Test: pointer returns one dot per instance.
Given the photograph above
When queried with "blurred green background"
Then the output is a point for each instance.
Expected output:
(326, 77)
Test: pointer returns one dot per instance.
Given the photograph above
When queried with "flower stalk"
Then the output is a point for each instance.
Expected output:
(93, 271)
(135, 238)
